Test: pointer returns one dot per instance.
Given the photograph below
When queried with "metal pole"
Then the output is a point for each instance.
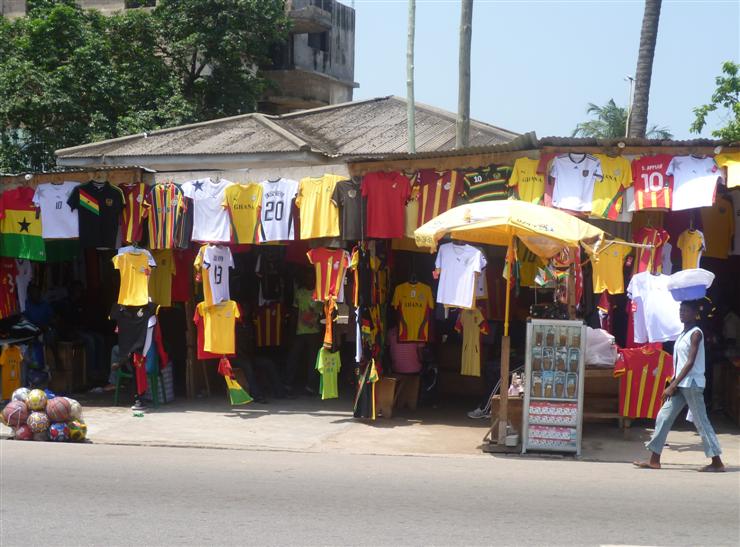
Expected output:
(503, 407)
(410, 105)
(462, 129)
(631, 81)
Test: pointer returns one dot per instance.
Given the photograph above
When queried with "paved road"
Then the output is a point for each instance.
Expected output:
(119, 495)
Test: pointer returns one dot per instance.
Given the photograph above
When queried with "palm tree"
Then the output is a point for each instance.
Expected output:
(644, 71)
(609, 122)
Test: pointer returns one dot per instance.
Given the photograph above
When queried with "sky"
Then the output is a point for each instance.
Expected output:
(537, 64)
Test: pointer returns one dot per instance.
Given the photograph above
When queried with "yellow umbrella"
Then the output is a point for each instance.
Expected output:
(545, 231)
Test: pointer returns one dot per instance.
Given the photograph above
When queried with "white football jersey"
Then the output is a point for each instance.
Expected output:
(218, 260)
(58, 220)
(211, 221)
(277, 209)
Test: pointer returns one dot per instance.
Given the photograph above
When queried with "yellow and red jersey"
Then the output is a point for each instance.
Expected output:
(134, 211)
(268, 325)
(643, 373)
(653, 185)
(331, 266)
(438, 191)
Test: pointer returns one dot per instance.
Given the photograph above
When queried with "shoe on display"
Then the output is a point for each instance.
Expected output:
(478, 414)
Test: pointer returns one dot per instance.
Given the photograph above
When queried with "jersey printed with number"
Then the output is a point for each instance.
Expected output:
(134, 211)
(58, 220)
(214, 262)
(277, 210)
(243, 202)
(653, 184)
(486, 184)
(165, 203)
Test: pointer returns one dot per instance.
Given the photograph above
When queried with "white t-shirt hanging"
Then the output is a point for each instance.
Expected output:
(22, 280)
(277, 209)
(218, 260)
(58, 220)
(656, 315)
(458, 265)
(694, 182)
(211, 221)
(574, 176)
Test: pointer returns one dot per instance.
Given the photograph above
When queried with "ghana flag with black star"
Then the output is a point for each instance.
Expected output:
(20, 225)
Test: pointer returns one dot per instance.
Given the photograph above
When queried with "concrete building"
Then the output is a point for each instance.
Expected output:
(315, 67)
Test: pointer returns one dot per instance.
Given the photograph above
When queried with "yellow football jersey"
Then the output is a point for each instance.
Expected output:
(608, 269)
(219, 326)
(244, 202)
(732, 162)
(607, 197)
(528, 185)
(135, 269)
(160, 281)
(414, 302)
(319, 215)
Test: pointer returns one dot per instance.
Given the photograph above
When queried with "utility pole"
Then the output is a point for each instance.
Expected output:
(410, 105)
(462, 133)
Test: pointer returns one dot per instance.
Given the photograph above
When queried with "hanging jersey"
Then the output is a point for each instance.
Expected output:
(10, 363)
(219, 326)
(8, 293)
(643, 373)
(691, 243)
(202, 354)
(575, 176)
(438, 191)
(22, 280)
(135, 268)
(386, 195)
(352, 209)
(608, 269)
(653, 183)
(243, 201)
(526, 182)
(277, 210)
(134, 212)
(472, 324)
(486, 184)
(268, 325)
(319, 215)
(694, 182)
(160, 280)
(331, 266)
(216, 261)
(210, 220)
(731, 161)
(649, 259)
(58, 220)
(328, 364)
(458, 265)
(414, 302)
(20, 225)
(718, 222)
(608, 191)
(100, 206)
(165, 206)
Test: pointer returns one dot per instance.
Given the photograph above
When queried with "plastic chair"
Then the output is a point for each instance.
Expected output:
(120, 375)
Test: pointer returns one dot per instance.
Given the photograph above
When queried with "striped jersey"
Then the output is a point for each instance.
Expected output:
(643, 373)
(268, 325)
(8, 293)
(134, 211)
(653, 185)
(331, 266)
(438, 191)
(486, 184)
(165, 211)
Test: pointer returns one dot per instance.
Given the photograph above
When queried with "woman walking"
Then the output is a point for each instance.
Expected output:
(686, 388)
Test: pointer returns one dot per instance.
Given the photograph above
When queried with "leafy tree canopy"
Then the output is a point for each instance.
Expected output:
(70, 76)
(725, 101)
(610, 122)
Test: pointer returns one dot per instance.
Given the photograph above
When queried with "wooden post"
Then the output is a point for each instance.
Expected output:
(462, 129)
(410, 104)
(503, 414)
(190, 354)
(572, 286)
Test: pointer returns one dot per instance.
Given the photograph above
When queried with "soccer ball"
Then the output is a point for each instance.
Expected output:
(75, 412)
(59, 432)
(77, 430)
(58, 409)
(21, 394)
(38, 422)
(15, 413)
(37, 399)
(23, 433)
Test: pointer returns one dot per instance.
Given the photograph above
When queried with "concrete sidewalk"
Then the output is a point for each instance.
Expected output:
(310, 425)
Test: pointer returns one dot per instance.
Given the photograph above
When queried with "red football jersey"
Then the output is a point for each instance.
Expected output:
(134, 211)
(330, 265)
(438, 191)
(386, 195)
(644, 373)
(8, 294)
(653, 187)
(650, 259)
(268, 325)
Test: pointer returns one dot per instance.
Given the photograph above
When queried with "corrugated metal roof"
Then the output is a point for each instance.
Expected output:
(371, 127)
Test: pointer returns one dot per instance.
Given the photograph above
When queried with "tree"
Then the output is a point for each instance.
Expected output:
(726, 97)
(610, 122)
(69, 76)
(644, 71)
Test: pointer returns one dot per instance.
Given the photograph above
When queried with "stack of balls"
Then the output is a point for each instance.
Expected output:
(34, 417)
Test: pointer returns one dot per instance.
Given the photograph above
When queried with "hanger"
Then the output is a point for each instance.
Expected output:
(412, 278)
(691, 220)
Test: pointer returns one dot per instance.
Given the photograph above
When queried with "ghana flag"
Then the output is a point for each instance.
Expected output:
(20, 225)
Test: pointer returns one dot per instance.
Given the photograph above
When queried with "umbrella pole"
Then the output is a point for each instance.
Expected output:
(503, 412)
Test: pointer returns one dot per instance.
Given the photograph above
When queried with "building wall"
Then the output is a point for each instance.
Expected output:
(13, 8)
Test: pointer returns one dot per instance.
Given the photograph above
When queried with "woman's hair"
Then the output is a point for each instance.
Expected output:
(703, 308)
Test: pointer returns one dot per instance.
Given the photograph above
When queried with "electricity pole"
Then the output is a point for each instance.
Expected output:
(410, 106)
(462, 133)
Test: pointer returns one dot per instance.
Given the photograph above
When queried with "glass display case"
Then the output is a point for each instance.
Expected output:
(553, 396)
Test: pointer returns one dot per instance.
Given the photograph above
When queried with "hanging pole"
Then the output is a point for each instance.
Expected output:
(410, 105)
(503, 407)
(462, 129)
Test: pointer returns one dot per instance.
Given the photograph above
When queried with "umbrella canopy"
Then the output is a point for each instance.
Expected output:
(544, 230)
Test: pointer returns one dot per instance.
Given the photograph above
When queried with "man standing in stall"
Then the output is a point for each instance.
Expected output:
(307, 339)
